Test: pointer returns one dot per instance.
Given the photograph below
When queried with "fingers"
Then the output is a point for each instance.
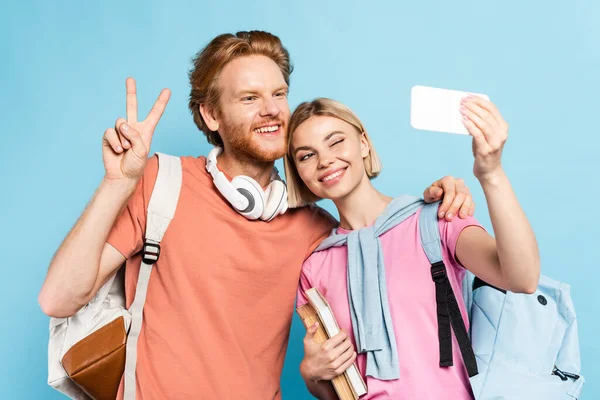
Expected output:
(340, 355)
(493, 131)
(133, 137)
(310, 332)
(117, 141)
(131, 100)
(491, 108)
(473, 114)
(112, 139)
(480, 144)
(465, 208)
(124, 142)
(339, 350)
(349, 358)
(448, 187)
(432, 194)
(159, 108)
(330, 358)
(458, 200)
(335, 341)
(479, 109)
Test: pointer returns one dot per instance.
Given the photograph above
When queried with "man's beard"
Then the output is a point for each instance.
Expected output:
(244, 145)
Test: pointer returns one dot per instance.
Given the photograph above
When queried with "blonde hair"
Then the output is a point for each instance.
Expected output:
(298, 193)
(211, 60)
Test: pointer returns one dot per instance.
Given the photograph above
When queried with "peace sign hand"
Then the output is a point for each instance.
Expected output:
(125, 147)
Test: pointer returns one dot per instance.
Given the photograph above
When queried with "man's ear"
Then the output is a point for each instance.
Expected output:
(365, 150)
(209, 115)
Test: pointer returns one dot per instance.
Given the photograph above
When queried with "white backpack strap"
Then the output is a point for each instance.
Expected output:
(160, 212)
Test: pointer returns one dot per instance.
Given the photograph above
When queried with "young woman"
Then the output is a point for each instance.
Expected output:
(331, 156)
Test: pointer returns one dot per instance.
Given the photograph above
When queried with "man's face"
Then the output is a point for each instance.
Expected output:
(254, 111)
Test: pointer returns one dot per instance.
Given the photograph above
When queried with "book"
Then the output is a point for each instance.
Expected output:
(349, 385)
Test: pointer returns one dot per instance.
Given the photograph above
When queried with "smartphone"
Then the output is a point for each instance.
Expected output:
(435, 109)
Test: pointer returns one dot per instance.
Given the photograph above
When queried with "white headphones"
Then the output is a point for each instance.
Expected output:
(245, 194)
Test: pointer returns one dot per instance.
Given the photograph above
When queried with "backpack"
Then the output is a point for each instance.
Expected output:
(520, 346)
(89, 352)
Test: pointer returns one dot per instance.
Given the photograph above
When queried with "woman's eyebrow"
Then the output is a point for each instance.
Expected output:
(297, 149)
(331, 134)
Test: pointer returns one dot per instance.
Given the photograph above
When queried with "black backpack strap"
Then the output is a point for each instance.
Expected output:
(449, 317)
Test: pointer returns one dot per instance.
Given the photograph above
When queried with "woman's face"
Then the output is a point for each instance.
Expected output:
(328, 154)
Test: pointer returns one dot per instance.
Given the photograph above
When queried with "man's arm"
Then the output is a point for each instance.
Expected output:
(85, 261)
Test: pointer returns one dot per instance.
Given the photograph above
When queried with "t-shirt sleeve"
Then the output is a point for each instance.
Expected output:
(321, 225)
(304, 284)
(127, 233)
(450, 232)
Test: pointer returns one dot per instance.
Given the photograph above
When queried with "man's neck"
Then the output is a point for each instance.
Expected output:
(259, 171)
(361, 207)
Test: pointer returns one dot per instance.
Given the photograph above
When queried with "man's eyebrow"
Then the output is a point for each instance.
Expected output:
(246, 92)
(256, 92)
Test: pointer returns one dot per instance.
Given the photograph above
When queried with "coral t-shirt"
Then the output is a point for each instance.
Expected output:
(221, 297)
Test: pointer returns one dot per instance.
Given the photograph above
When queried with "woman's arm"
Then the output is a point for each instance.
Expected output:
(511, 261)
(322, 390)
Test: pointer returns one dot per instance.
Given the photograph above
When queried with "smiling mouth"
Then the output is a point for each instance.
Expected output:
(268, 129)
(332, 176)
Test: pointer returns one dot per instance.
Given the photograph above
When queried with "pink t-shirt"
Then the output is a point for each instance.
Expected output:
(411, 295)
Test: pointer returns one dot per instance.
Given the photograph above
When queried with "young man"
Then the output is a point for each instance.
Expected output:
(221, 298)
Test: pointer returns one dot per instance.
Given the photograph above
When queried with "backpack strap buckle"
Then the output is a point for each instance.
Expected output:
(150, 252)
(438, 272)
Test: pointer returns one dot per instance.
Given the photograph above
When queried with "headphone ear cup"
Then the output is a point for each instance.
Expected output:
(276, 195)
(253, 192)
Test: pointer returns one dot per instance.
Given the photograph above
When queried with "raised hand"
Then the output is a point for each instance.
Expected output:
(489, 130)
(125, 147)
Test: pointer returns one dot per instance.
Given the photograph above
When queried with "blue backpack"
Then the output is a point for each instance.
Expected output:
(520, 346)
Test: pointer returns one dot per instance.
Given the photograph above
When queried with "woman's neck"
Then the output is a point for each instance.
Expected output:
(362, 206)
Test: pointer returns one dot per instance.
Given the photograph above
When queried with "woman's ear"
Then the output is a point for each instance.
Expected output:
(209, 115)
(364, 146)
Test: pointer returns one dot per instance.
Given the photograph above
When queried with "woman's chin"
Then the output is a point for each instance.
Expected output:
(335, 193)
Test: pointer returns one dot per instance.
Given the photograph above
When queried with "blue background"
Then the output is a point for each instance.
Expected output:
(64, 66)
